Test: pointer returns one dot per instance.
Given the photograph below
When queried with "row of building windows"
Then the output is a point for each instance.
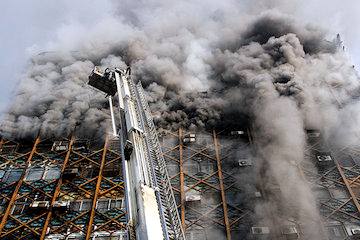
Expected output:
(102, 205)
(49, 173)
(101, 235)
(33, 174)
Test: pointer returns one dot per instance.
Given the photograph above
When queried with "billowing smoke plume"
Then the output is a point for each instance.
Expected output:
(203, 65)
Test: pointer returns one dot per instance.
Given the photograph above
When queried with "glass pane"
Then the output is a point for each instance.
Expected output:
(102, 205)
(86, 205)
(35, 174)
(117, 236)
(115, 203)
(52, 173)
(103, 238)
(13, 176)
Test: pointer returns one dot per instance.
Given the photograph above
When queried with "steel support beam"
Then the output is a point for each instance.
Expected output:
(182, 183)
(348, 187)
(57, 190)
(16, 190)
(25, 225)
(97, 191)
(222, 188)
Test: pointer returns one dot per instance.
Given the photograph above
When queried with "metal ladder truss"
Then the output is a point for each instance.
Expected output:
(160, 178)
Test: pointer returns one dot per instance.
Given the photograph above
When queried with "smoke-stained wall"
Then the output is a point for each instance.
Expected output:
(203, 65)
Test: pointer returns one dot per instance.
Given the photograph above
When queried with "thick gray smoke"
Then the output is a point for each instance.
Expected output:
(222, 68)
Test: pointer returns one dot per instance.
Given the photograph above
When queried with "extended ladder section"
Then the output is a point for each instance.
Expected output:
(151, 206)
(167, 203)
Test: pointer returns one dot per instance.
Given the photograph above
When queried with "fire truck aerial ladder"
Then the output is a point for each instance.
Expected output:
(151, 208)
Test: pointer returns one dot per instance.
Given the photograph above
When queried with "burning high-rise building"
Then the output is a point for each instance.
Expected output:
(229, 125)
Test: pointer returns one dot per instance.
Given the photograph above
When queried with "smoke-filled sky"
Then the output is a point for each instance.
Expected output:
(28, 26)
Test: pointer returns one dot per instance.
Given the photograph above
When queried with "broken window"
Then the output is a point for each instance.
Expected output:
(80, 146)
(60, 146)
(18, 208)
(75, 206)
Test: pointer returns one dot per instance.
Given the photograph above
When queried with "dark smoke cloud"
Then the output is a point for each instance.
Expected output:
(222, 68)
